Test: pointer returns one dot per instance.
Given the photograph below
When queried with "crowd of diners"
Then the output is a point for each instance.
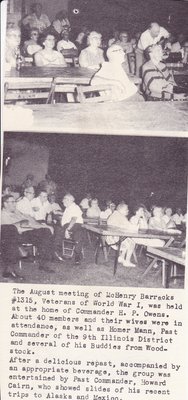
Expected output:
(113, 59)
(34, 216)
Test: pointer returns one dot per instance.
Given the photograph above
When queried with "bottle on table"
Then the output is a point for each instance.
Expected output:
(19, 59)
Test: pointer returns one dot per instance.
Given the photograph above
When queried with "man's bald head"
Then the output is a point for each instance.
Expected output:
(68, 199)
(154, 29)
(115, 53)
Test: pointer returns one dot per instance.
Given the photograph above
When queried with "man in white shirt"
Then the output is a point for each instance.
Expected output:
(24, 205)
(112, 73)
(27, 231)
(41, 206)
(151, 36)
(65, 44)
(36, 19)
(71, 228)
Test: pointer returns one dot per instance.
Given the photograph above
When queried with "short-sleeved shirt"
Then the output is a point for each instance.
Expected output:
(65, 45)
(25, 206)
(109, 72)
(31, 47)
(119, 221)
(88, 58)
(73, 211)
(147, 40)
(93, 212)
(34, 22)
(11, 218)
(44, 209)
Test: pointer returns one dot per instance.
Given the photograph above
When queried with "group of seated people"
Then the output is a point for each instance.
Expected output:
(113, 59)
(43, 222)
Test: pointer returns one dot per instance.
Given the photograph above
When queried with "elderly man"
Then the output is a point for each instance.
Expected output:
(113, 73)
(156, 78)
(151, 36)
(27, 231)
(71, 228)
(36, 19)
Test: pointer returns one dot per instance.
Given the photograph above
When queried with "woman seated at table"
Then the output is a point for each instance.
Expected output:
(12, 51)
(93, 211)
(92, 56)
(167, 218)
(157, 221)
(112, 73)
(48, 56)
(139, 219)
(31, 46)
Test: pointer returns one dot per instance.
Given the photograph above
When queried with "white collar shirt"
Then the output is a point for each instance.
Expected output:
(73, 211)
(147, 40)
(42, 209)
(25, 206)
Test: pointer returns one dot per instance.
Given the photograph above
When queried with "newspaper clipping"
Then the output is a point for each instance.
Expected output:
(94, 200)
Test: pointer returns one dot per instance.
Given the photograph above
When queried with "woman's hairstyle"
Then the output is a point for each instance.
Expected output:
(61, 15)
(92, 35)
(44, 37)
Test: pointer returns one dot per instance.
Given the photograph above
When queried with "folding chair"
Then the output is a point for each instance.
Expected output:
(94, 94)
(33, 249)
(62, 92)
(68, 247)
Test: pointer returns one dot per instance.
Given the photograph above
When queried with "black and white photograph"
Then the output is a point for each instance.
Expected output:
(94, 160)
(108, 66)
(94, 209)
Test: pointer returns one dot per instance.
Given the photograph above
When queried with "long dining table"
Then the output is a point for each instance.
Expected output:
(67, 75)
(63, 75)
(120, 117)
(173, 256)
(101, 231)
